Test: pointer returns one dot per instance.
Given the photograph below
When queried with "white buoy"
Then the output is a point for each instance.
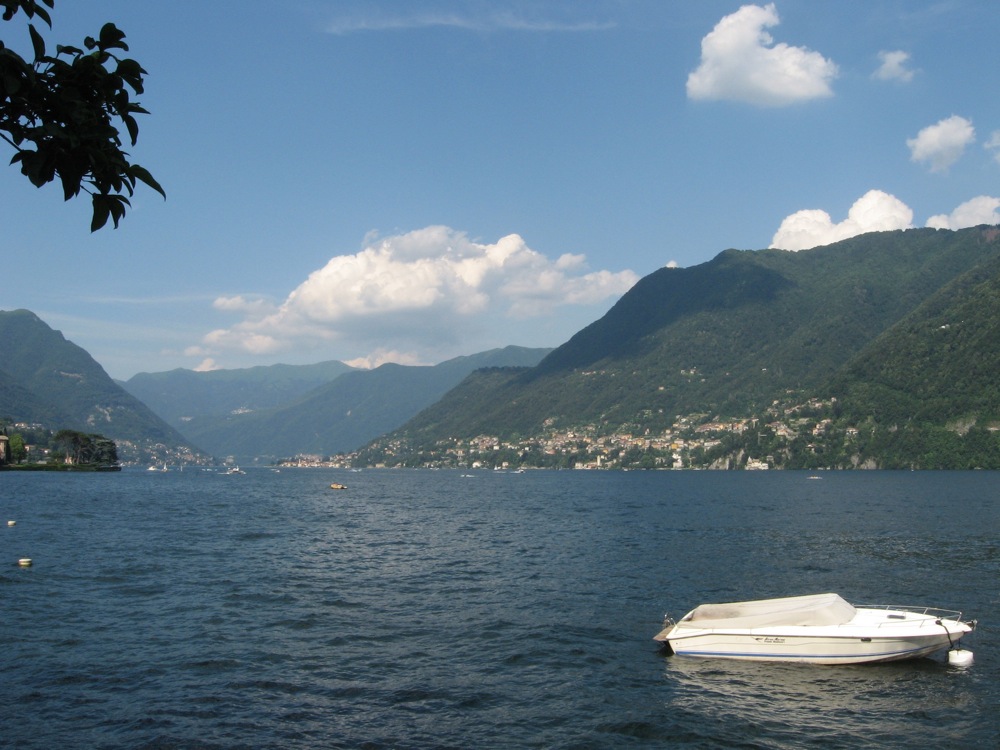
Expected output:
(24, 562)
(960, 657)
(12, 523)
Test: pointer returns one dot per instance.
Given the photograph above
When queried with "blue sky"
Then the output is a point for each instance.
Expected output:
(380, 180)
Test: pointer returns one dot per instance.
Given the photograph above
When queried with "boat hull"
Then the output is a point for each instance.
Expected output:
(808, 649)
(873, 634)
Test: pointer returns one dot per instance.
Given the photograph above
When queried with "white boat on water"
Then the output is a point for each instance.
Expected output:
(815, 629)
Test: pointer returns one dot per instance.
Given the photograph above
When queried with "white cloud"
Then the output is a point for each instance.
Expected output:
(893, 67)
(993, 144)
(383, 356)
(739, 63)
(207, 365)
(245, 338)
(980, 210)
(415, 293)
(875, 211)
(488, 20)
(250, 306)
(942, 144)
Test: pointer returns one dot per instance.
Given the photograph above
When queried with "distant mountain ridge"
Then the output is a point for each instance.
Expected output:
(48, 380)
(740, 333)
(180, 395)
(274, 411)
(345, 413)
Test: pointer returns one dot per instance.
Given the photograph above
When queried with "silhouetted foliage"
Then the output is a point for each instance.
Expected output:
(61, 113)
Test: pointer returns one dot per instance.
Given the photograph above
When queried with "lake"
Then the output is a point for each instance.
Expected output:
(442, 609)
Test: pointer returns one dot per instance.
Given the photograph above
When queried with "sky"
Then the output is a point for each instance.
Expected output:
(414, 180)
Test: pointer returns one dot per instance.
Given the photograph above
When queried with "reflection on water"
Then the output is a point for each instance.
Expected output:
(426, 609)
(796, 705)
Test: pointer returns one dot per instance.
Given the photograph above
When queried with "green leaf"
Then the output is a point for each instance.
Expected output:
(118, 203)
(143, 175)
(44, 14)
(36, 42)
(36, 167)
(132, 126)
(102, 213)
(71, 185)
(131, 72)
(111, 38)
(108, 206)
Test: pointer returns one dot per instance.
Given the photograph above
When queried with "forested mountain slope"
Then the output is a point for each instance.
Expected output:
(51, 381)
(732, 336)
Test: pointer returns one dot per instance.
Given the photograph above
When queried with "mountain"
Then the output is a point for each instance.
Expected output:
(347, 412)
(180, 395)
(48, 380)
(750, 329)
(937, 364)
(274, 411)
(925, 393)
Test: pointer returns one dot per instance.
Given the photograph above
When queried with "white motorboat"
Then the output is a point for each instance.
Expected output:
(815, 629)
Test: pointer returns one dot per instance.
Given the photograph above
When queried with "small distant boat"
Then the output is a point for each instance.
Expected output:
(234, 470)
(157, 468)
(815, 629)
(336, 486)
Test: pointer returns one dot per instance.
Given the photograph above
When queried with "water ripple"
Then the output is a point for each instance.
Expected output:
(427, 610)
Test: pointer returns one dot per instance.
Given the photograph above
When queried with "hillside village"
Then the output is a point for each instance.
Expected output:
(694, 441)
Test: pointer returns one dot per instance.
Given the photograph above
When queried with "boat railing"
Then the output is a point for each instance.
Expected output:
(936, 612)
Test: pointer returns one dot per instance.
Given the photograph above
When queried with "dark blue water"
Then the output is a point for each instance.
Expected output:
(422, 609)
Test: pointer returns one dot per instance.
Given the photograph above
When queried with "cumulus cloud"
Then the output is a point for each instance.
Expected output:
(980, 210)
(894, 66)
(942, 144)
(415, 292)
(207, 365)
(383, 356)
(875, 211)
(993, 145)
(740, 62)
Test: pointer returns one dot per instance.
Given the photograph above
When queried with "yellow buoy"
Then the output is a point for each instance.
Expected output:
(24, 562)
